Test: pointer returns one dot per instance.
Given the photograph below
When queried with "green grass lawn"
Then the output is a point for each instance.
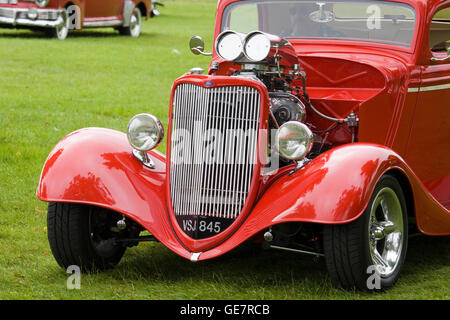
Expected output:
(49, 88)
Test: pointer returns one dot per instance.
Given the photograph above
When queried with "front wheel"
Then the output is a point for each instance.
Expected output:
(84, 236)
(134, 29)
(61, 31)
(369, 252)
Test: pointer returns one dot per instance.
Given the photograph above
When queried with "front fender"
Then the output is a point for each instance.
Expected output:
(334, 188)
(95, 166)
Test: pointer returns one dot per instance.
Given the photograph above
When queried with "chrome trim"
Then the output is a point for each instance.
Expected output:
(413, 90)
(317, 254)
(430, 88)
(19, 17)
(99, 24)
(440, 59)
(434, 59)
(128, 8)
(435, 88)
(217, 189)
(195, 256)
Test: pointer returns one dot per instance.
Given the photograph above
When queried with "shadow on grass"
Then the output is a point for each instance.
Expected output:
(243, 266)
(246, 267)
(427, 253)
(23, 34)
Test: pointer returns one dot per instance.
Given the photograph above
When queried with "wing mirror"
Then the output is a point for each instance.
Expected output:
(197, 46)
(442, 59)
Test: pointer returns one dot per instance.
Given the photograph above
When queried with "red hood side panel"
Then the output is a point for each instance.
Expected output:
(373, 83)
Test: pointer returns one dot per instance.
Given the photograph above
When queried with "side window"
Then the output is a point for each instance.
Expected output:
(440, 31)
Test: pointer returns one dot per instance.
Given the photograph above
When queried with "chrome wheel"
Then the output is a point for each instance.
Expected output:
(368, 253)
(386, 231)
(135, 23)
(62, 30)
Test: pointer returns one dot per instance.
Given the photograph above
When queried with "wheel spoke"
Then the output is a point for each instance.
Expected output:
(386, 231)
(388, 227)
(379, 260)
(385, 208)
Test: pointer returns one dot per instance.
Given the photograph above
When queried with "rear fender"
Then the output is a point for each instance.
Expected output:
(95, 166)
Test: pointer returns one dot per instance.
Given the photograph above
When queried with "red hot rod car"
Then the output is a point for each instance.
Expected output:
(57, 17)
(320, 128)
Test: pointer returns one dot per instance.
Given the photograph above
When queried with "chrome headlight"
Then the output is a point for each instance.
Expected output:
(42, 3)
(32, 14)
(229, 45)
(257, 46)
(293, 140)
(145, 132)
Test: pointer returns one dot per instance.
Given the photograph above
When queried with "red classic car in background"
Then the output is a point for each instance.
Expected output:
(57, 17)
(325, 132)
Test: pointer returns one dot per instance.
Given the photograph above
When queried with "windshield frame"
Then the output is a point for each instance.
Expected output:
(226, 7)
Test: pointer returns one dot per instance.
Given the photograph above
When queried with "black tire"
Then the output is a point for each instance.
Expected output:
(349, 247)
(134, 29)
(79, 235)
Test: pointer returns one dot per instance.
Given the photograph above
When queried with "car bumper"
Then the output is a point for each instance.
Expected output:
(31, 17)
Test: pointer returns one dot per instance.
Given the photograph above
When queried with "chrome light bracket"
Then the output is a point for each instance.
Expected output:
(197, 70)
(144, 158)
(299, 165)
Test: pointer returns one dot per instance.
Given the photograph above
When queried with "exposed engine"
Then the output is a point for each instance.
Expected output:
(285, 107)
(273, 61)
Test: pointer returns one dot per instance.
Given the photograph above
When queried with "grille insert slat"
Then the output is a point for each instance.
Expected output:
(213, 149)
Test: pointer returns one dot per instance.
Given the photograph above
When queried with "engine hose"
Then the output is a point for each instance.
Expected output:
(308, 102)
(323, 115)
(327, 130)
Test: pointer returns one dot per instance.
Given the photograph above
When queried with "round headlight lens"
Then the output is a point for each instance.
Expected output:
(32, 14)
(42, 3)
(145, 132)
(294, 140)
(257, 46)
(229, 45)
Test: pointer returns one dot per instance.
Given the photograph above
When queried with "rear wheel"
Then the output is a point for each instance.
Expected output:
(369, 252)
(84, 236)
(134, 29)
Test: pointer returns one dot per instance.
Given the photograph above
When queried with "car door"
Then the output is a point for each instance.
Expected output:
(428, 150)
(103, 8)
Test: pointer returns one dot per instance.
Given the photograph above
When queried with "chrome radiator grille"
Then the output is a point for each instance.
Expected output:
(213, 149)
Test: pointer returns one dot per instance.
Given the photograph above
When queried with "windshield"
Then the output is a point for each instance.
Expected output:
(374, 21)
